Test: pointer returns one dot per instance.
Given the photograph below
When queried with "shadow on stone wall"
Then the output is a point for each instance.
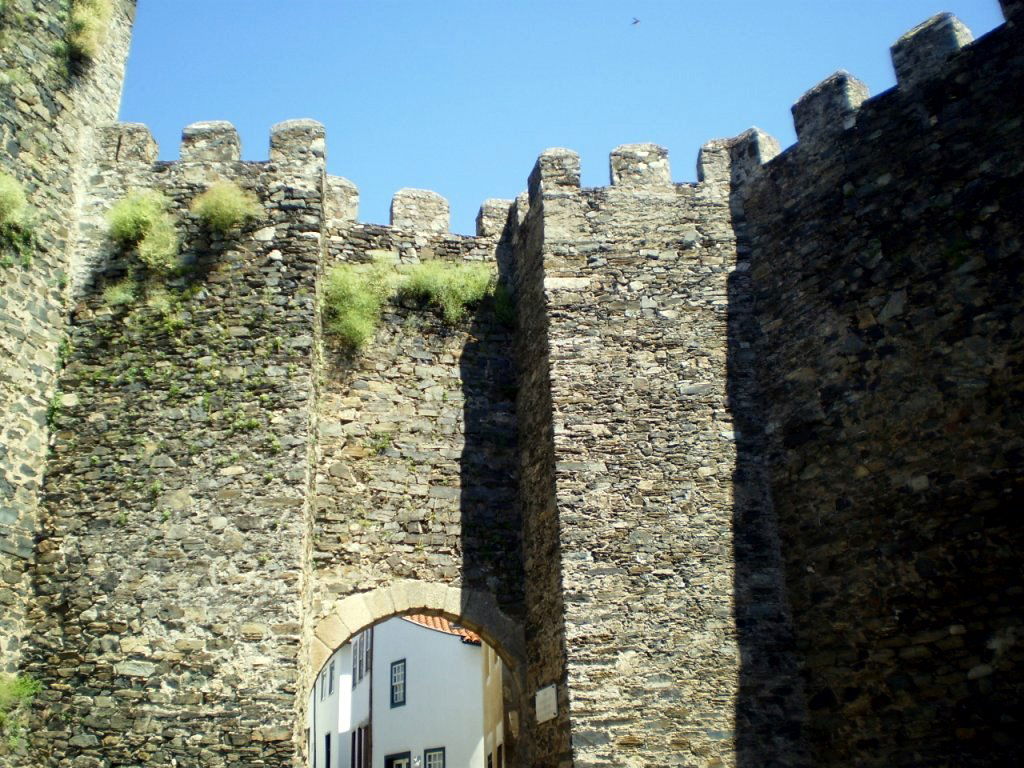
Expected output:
(769, 706)
(890, 373)
(490, 517)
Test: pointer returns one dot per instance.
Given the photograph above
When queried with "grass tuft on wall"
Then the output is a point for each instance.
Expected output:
(13, 204)
(119, 294)
(16, 695)
(354, 295)
(88, 27)
(16, 235)
(141, 221)
(225, 206)
(451, 288)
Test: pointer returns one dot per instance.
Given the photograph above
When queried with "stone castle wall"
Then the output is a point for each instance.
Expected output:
(171, 579)
(887, 283)
(632, 353)
(48, 114)
(711, 485)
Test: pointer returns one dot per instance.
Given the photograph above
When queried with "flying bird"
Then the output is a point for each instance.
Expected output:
(635, 21)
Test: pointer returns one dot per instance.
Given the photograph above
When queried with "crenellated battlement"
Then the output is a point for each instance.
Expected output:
(768, 415)
(827, 114)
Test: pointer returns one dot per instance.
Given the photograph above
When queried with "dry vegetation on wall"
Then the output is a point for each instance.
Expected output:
(87, 28)
(141, 221)
(225, 206)
(354, 295)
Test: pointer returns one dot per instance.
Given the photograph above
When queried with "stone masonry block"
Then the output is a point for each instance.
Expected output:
(490, 221)
(522, 207)
(380, 603)
(556, 171)
(342, 199)
(318, 654)
(921, 53)
(749, 151)
(829, 108)
(402, 594)
(737, 159)
(333, 632)
(420, 210)
(639, 165)
(432, 596)
(480, 613)
(354, 612)
(299, 142)
(215, 141)
(128, 143)
(452, 604)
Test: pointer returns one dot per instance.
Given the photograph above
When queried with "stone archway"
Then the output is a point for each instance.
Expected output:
(473, 608)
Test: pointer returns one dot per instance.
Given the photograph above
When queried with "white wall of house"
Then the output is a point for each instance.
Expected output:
(443, 696)
(329, 708)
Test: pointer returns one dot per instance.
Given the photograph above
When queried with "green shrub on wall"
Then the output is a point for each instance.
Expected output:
(141, 221)
(16, 235)
(353, 298)
(16, 695)
(451, 288)
(87, 29)
(225, 206)
(12, 200)
(119, 294)
(354, 295)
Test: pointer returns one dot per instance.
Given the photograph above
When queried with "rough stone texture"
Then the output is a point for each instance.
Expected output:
(47, 115)
(416, 476)
(887, 286)
(740, 482)
(923, 52)
(168, 622)
(342, 199)
(828, 109)
(631, 489)
(419, 209)
(215, 141)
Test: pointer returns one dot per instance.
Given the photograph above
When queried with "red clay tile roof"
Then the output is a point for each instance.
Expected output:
(441, 624)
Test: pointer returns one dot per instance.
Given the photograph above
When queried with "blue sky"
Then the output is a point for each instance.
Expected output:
(460, 97)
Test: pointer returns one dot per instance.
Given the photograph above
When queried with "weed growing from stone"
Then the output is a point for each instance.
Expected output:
(141, 221)
(16, 236)
(452, 288)
(353, 298)
(54, 409)
(87, 28)
(379, 442)
(13, 203)
(225, 206)
(16, 695)
(119, 294)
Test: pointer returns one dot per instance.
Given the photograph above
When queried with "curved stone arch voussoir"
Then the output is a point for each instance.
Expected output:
(475, 609)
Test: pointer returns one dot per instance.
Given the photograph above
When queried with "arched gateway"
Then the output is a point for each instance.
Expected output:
(472, 609)
(475, 609)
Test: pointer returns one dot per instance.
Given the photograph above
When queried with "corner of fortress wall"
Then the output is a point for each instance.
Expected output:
(47, 118)
(693, 417)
